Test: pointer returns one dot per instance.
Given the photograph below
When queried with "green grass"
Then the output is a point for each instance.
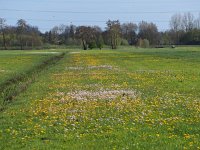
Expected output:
(124, 99)
(21, 73)
(16, 62)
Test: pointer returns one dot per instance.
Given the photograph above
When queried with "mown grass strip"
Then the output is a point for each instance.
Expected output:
(19, 83)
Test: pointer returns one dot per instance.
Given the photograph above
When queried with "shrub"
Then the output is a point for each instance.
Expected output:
(173, 46)
(124, 42)
(92, 45)
(144, 43)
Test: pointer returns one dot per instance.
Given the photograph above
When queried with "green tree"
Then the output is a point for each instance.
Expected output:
(21, 27)
(86, 35)
(114, 32)
(2, 30)
(92, 45)
(98, 37)
(100, 42)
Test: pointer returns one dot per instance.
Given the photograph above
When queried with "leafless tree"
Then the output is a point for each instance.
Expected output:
(176, 22)
(149, 31)
(55, 35)
(129, 32)
(197, 22)
(177, 27)
(188, 21)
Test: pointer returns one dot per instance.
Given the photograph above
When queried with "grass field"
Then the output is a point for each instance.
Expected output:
(18, 69)
(109, 99)
(15, 62)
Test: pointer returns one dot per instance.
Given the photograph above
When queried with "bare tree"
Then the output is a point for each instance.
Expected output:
(129, 32)
(188, 21)
(114, 32)
(176, 27)
(149, 31)
(2, 30)
(58, 34)
(197, 22)
(176, 22)
(55, 35)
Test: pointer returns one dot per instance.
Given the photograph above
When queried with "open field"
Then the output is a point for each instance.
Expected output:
(123, 99)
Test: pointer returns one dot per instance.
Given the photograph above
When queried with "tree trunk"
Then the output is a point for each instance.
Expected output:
(112, 43)
(21, 45)
(4, 41)
(32, 43)
(84, 45)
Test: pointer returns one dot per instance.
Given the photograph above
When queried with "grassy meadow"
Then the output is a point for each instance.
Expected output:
(16, 62)
(104, 99)
(18, 69)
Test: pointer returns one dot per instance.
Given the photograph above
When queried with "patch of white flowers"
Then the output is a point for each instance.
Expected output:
(108, 67)
(101, 95)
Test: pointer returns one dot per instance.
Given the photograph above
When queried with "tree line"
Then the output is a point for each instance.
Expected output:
(20, 36)
(184, 29)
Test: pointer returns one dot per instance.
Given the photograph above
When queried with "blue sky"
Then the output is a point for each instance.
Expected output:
(47, 13)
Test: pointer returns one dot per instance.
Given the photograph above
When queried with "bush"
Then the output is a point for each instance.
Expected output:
(71, 41)
(92, 45)
(173, 46)
(144, 43)
(124, 42)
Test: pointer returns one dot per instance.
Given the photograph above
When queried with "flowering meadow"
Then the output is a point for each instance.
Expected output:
(122, 99)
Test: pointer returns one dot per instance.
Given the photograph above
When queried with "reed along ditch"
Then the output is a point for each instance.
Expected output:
(18, 83)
